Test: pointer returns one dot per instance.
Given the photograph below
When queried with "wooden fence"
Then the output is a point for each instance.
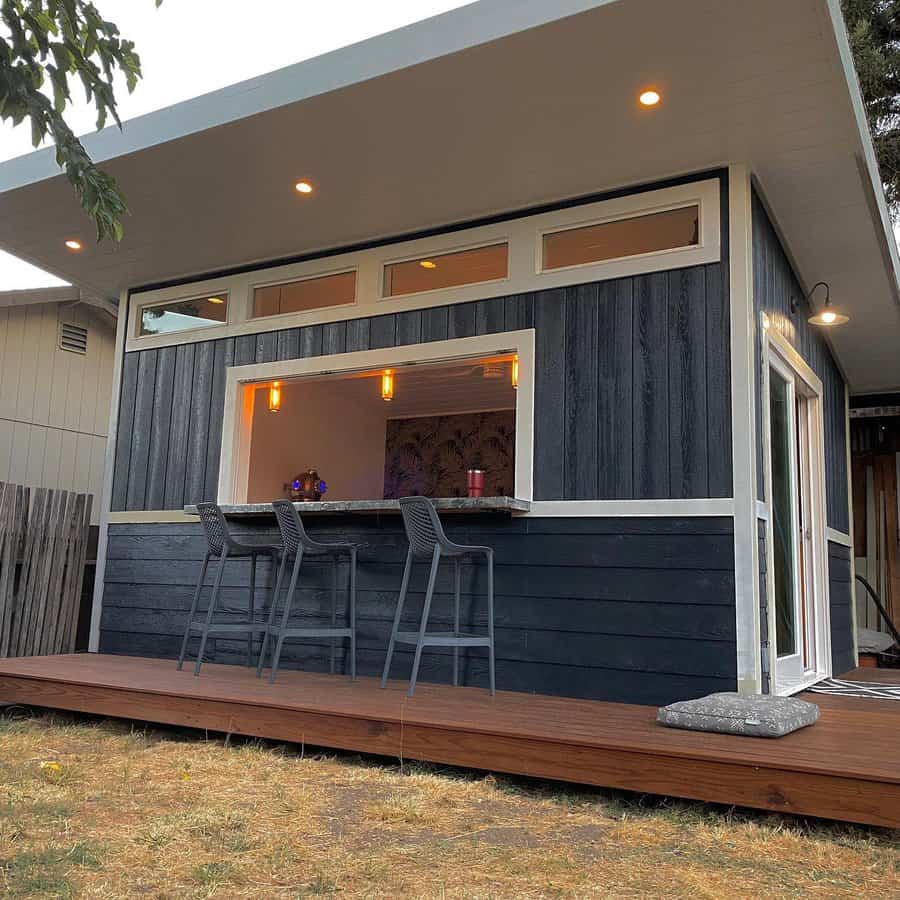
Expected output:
(43, 544)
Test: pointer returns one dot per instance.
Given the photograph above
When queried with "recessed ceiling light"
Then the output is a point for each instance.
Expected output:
(72, 244)
(428, 264)
(303, 187)
(649, 98)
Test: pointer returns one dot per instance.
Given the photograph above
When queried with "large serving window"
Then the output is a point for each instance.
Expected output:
(385, 432)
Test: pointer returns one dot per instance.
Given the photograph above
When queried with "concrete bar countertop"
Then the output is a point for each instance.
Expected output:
(442, 504)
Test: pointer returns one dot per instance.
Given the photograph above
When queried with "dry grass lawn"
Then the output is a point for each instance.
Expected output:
(92, 808)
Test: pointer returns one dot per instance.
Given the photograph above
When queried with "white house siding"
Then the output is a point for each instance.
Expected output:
(54, 404)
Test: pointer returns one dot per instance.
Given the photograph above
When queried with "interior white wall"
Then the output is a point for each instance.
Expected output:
(332, 426)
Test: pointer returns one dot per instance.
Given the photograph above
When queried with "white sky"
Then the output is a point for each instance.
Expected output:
(191, 47)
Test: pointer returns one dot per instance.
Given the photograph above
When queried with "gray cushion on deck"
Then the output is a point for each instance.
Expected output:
(754, 716)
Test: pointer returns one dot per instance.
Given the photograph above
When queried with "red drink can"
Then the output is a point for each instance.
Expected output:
(475, 482)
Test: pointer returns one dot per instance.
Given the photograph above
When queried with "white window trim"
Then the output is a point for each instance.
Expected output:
(524, 273)
(779, 352)
(279, 282)
(136, 320)
(238, 418)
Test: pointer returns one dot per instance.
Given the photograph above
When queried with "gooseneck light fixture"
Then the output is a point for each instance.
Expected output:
(827, 316)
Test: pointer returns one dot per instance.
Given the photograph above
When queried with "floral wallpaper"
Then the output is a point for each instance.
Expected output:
(430, 456)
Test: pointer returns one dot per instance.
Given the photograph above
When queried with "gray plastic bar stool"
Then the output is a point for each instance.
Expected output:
(221, 545)
(428, 541)
(299, 544)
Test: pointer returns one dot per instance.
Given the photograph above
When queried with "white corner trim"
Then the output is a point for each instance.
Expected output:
(833, 536)
(852, 536)
(234, 458)
(108, 472)
(723, 506)
(743, 418)
(525, 271)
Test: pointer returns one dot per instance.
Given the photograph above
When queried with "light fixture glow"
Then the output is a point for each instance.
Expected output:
(72, 244)
(649, 98)
(387, 385)
(303, 187)
(275, 396)
(827, 316)
(216, 300)
(428, 264)
(514, 373)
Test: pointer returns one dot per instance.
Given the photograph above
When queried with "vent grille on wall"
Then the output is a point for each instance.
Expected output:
(72, 338)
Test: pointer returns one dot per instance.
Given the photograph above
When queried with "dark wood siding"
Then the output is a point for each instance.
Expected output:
(841, 598)
(635, 610)
(633, 396)
(775, 283)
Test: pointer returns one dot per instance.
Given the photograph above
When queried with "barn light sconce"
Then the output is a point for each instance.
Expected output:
(275, 396)
(387, 385)
(827, 316)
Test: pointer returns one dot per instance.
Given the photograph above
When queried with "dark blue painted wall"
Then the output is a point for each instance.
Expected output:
(635, 610)
(840, 584)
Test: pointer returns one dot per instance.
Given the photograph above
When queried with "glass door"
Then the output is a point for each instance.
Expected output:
(792, 527)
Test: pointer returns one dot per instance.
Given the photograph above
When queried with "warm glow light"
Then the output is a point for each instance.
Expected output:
(275, 396)
(72, 244)
(765, 321)
(515, 372)
(387, 385)
(828, 316)
(214, 300)
(303, 187)
(649, 98)
(428, 264)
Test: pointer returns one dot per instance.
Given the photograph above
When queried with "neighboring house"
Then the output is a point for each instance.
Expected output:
(487, 190)
(56, 374)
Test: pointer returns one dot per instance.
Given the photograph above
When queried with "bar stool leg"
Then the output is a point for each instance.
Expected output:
(426, 611)
(252, 610)
(397, 615)
(490, 562)
(295, 573)
(353, 614)
(276, 593)
(194, 603)
(213, 600)
(456, 624)
(334, 587)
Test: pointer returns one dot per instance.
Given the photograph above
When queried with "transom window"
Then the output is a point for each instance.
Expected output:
(308, 293)
(651, 233)
(181, 315)
(444, 270)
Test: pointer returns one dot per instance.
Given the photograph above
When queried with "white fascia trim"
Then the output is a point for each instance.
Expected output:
(472, 25)
(872, 173)
(108, 471)
(743, 421)
(717, 506)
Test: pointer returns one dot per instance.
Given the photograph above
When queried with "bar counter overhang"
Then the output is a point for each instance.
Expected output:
(321, 507)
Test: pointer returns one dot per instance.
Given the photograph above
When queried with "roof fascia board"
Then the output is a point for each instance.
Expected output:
(34, 296)
(459, 29)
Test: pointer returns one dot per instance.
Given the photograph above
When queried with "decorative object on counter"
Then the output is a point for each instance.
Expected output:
(429, 456)
(306, 487)
(275, 396)
(475, 482)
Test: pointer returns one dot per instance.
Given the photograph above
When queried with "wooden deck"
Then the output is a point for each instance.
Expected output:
(845, 767)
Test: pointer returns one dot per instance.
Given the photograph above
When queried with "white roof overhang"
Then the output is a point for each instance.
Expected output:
(493, 107)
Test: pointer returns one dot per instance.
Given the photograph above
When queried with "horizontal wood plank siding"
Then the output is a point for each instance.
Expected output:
(775, 284)
(634, 610)
(840, 597)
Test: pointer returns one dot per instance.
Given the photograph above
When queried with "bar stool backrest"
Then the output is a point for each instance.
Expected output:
(214, 526)
(293, 534)
(423, 527)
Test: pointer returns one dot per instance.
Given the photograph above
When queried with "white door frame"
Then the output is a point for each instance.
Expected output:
(780, 354)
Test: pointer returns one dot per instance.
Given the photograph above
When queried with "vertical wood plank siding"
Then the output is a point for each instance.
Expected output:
(632, 391)
(775, 283)
(632, 610)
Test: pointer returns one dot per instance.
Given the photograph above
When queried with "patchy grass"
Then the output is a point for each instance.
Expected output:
(92, 808)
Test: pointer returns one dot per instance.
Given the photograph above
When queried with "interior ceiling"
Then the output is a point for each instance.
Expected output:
(536, 116)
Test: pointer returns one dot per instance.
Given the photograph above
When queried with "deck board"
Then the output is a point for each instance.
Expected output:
(844, 767)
